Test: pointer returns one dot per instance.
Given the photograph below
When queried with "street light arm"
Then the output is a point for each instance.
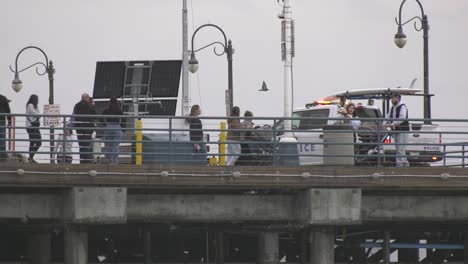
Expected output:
(398, 21)
(214, 49)
(31, 47)
(209, 25)
(415, 23)
(30, 66)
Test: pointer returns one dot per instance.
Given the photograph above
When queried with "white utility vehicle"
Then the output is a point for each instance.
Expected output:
(423, 143)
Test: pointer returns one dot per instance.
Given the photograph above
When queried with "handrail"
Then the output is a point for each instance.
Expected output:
(448, 141)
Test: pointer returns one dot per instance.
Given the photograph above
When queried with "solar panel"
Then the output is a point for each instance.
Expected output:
(165, 78)
(110, 77)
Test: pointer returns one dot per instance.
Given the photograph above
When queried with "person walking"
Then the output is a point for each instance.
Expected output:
(247, 127)
(196, 134)
(400, 124)
(113, 131)
(233, 137)
(63, 146)
(32, 126)
(4, 109)
(84, 126)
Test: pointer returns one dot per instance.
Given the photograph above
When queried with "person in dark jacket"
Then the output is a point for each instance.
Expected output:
(4, 109)
(196, 134)
(113, 132)
(84, 126)
(233, 137)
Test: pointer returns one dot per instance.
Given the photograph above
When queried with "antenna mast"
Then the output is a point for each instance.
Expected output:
(185, 77)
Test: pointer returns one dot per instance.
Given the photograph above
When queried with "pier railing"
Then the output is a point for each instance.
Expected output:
(167, 140)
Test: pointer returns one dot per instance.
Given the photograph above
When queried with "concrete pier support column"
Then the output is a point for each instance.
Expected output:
(39, 248)
(147, 246)
(386, 248)
(268, 248)
(322, 246)
(408, 255)
(302, 241)
(466, 248)
(219, 247)
(76, 245)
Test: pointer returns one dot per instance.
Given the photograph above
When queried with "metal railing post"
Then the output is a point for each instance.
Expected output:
(379, 145)
(64, 141)
(222, 145)
(445, 155)
(275, 145)
(139, 143)
(463, 156)
(170, 142)
(11, 135)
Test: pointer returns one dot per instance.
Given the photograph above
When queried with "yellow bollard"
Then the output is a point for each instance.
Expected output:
(222, 145)
(139, 143)
(213, 161)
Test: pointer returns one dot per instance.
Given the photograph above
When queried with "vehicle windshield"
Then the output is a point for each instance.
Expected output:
(303, 124)
(368, 112)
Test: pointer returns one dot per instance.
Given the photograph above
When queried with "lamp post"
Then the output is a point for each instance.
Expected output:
(287, 50)
(400, 41)
(227, 49)
(17, 84)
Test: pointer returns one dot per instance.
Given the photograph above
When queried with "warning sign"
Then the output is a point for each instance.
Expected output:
(50, 119)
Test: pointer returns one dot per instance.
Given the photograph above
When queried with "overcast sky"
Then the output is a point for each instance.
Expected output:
(340, 45)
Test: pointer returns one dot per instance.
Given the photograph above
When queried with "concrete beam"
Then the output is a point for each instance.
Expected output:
(96, 205)
(329, 206)
(24, 206)
(311, 207)
(211, 207)
(414, 208)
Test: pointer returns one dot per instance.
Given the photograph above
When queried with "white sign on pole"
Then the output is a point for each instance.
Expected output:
(52, 120)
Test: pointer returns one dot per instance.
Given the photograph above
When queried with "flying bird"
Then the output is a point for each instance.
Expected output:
(264, 87)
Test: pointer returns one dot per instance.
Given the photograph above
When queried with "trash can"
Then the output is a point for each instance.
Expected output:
(338, 145)
(158, 149)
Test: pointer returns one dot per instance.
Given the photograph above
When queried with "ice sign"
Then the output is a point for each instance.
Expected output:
(52, 120)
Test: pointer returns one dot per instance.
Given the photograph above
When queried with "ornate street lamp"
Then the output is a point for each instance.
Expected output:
(400, 41)
(227, 49)
(17, 84)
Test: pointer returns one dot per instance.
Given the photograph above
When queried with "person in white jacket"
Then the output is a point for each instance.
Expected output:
(32, 126)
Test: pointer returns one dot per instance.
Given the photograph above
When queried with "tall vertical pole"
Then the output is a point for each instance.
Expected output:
(50, 75)
(287, 57)
(427, 97)
(185, 54)
(229, 52)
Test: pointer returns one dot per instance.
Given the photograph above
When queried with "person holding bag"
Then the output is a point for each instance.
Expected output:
(32, 126)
